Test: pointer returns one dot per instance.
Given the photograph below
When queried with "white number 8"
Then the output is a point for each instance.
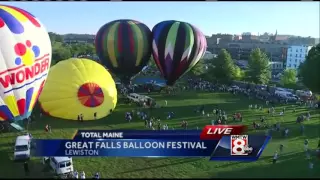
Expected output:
(238, 144)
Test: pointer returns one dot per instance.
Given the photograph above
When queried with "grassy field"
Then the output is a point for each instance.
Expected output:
(292, 163)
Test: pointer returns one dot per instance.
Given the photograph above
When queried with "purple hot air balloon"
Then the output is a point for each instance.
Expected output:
(177, 47)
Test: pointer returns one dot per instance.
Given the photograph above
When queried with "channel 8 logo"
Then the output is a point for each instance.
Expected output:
(239, 145)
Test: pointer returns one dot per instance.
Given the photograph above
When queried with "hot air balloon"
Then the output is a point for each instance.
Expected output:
(176, 48)
(78, 86)
(124, 47)
(25, 57)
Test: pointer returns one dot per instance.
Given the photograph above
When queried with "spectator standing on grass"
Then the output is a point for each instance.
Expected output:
(49, 128)
(308, 116)
(96, 175)
(275, 157)
(95, 115)
(310, 165)
(82, 175)
(46, 128)
(286, 132)
(306, 144)
(281, 148)
(26, 168)
(75, 175)
(81, 117)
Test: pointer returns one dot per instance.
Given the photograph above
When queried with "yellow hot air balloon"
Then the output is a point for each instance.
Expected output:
(78, 86)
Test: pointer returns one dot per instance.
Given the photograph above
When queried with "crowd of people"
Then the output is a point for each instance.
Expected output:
(267, 108)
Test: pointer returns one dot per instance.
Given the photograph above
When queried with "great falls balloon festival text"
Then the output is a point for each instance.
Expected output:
(92, 147)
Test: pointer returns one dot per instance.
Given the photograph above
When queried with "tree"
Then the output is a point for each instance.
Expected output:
(222, 68)
(309, 70)
(289, 77)
(60, 52)
(55, 37)
(198, 69)
(82, 49)
(258, 67)
(238, 74)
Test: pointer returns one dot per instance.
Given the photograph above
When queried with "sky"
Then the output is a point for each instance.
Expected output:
(294, 18)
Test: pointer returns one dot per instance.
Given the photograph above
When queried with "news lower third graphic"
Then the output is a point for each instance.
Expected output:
(219, 143)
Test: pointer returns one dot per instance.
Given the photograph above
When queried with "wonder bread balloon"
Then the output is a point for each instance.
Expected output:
(79, 86)
(124, 47)
(25, 57)
(176, 48)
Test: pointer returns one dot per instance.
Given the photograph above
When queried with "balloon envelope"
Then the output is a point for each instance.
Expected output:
(176, 48)
(78, 86)
(124, 47)
(25, 57)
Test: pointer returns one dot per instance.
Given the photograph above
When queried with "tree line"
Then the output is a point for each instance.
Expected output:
(62, 51)
(221, 69)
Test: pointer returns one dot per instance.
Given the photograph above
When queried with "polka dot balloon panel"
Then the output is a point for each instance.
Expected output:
(26, 53)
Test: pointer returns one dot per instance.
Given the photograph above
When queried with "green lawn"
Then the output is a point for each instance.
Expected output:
(291, 164)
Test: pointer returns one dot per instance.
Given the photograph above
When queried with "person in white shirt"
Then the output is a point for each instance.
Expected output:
(306, 143)
(166, 102)
(75, 175)
(286, 132)
(97, 176)
(82, 175)
(275, 157)
(164, 127)
(281, 113)
(310, 165)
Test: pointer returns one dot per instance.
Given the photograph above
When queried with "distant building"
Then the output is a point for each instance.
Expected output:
(276, 66)
(296, 55)
(264, 37)
(219, 39)
(298, 41)
(246, 36)
(208, 55)
(241, 50)
(237, 37)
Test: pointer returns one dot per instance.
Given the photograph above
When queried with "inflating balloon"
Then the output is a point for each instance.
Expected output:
(78, 86)
(124, 47)
(25, 57)
(176, 48)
